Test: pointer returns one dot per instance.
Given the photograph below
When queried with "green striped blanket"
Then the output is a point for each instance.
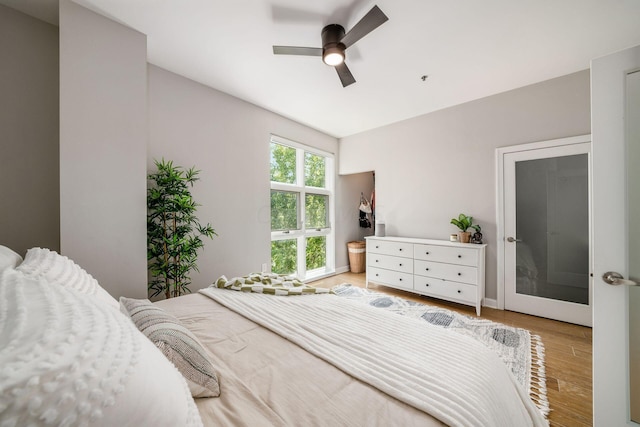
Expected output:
(268, 283)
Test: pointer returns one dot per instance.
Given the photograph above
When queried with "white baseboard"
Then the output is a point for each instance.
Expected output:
(491, 303)
(344, 269)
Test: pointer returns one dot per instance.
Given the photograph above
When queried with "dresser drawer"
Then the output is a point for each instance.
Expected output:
(392, 278)
(390, 248)
(456, 273)
(448, 254)
(389, 262)
(444, 289)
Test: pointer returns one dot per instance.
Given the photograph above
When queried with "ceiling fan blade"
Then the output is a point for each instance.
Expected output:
(296, 50)
(372, 20)
(345, 75)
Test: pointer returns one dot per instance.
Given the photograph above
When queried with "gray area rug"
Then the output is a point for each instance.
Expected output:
(522, 352)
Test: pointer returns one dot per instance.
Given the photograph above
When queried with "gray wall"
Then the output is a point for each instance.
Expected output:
(103, 141)
(29, 117)
(228, 140)
(433, 167)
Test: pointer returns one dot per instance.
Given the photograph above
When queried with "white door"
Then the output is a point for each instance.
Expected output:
(545, 230)
(615, 112)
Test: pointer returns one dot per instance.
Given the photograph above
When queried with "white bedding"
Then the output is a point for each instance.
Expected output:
(449, 376)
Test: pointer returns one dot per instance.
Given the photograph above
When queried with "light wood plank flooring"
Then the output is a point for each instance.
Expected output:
(568, 352)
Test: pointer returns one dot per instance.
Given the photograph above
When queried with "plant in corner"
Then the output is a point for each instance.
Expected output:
(464, 223)
(174, 233)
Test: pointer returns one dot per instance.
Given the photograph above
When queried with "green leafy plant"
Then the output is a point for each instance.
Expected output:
(464, 223)
(174, 233)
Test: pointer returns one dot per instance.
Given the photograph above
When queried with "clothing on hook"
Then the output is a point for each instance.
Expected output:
(365, 206)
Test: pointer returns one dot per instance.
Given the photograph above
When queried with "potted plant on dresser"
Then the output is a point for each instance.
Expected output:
(464, 223)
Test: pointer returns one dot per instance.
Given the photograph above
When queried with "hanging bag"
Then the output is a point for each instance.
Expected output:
(364, 204)
(365, 208)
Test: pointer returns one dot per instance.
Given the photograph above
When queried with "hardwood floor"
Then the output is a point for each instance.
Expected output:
(568, 354)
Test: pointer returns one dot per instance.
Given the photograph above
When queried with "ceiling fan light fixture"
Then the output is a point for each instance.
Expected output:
(335, 42)
(333, 56)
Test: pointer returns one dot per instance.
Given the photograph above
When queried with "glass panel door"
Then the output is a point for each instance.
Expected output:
(552, 226)
(546, 203)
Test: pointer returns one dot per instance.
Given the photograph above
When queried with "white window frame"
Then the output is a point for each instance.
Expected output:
(301, 234)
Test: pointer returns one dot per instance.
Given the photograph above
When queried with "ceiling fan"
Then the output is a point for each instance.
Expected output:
(335, 42)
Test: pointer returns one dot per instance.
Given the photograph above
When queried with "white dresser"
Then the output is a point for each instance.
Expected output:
(437, 268)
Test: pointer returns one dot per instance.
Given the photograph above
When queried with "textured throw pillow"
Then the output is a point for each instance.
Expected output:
(62, 271)
(66, 360)
(8, 258)
(177, 343)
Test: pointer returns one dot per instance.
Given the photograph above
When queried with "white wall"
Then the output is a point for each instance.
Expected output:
(29, 189)
(228, 140)
(433, 167)
(103, 140)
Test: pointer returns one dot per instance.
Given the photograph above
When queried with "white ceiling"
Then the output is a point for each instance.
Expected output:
(468, 48)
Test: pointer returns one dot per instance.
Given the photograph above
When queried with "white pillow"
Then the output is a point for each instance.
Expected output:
(67, 360)
(8, 258)
(62, 271)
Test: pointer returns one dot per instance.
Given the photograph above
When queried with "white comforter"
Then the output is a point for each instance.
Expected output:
(450, 376)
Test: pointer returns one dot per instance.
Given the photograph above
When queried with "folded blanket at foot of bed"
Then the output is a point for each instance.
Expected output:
(268, 283)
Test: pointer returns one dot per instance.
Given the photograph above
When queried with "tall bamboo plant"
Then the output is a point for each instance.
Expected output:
(174, 233)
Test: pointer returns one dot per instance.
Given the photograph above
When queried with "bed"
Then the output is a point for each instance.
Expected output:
(312, 360)
(267, 380)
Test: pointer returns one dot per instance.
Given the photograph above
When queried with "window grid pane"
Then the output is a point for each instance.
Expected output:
(284, 210)
(316, 252)
(283, 164)
(314, 170)
(284, 256)
(316, 208)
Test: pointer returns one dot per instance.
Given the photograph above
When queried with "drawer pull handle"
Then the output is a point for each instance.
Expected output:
(459, 291)
(401, 279)
(400, 249)
(459, 256)
(377, 246)
(427, 285)
(459, 274)
(400, 265)
(427, 253)
(377, 261)
(377, 274)
(427, 269)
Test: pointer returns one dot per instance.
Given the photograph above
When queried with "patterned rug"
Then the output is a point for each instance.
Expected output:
(522, 352)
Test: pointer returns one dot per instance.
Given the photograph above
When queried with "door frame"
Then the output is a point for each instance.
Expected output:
(501, 152)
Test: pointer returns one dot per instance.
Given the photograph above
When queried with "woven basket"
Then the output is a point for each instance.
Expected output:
(357, 256)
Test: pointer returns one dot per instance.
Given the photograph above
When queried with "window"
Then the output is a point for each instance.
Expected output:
(302, 212)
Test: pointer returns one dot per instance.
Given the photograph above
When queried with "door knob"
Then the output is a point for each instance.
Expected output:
(613, 278)
(512, 240)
